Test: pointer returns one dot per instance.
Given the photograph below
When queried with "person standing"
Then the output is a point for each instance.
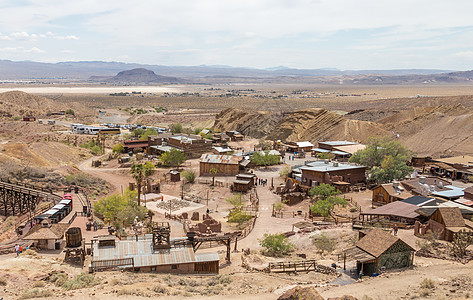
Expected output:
(17, 250)
(395, 229)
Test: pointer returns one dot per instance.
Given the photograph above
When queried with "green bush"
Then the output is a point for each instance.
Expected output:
(276, 245)
(324, 243)
(239, 217)
(189, 175)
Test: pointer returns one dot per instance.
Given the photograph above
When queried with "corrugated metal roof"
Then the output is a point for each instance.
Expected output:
(204, 257)
(320, 150)
(304, 144)
(220, 159)
(142, 253)
(340, 153)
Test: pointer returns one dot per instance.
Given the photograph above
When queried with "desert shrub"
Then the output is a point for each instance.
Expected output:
(353, 209)
(219, 279)
(3, 281)
(278, 206)
(36, 293)
(80, 281)
(324, 243)
(115, 281)
(160, 290)
(424, 292)
(38, 284)
(427, 283)
(189, 175)
(70, 112)
(58, 278)
(239, 217)
(276, 245)
(30, 252)
(94, 146)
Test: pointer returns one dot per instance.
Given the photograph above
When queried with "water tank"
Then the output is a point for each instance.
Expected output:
(73, 237)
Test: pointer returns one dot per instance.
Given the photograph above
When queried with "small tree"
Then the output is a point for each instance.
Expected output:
(173, 158)
(327, 198)
(70, 112)
(276, 245)
(140, 172)
(324, 243)
(278, 206)
(461, 241)
(189, 175)
(236, 200)
(118, 148)
(264, 159)
(214, 172)
(386, 159)
(176, 128)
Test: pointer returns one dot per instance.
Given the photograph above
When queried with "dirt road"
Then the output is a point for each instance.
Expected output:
(118, 182)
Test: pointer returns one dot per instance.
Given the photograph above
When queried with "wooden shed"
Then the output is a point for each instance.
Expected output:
(378, 250)
(226, 165)
(389, 192)
(446, 221)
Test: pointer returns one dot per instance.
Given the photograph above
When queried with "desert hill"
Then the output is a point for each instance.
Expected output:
(434, 131)
(138, 75)
(311, 124)
(20, 104)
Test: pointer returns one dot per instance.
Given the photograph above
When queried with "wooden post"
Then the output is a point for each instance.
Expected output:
(344, 261)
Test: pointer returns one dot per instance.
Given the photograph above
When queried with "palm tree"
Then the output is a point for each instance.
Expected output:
(213, 171)
(140, 172)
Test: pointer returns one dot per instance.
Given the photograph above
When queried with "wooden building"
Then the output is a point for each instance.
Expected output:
(135, 145)
(243, 183)
(235, 136)
(193, 146)
(226, 165)
(378, 250)
(299, 146)
(143, 255)
(446, 221)
(327, 172)
(389, 192)
(47, 236)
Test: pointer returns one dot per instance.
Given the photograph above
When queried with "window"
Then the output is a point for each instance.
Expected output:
(174, 267)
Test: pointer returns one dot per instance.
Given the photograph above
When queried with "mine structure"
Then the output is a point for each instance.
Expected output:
(17, 199)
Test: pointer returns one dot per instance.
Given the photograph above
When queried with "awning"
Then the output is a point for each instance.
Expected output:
(359, 255)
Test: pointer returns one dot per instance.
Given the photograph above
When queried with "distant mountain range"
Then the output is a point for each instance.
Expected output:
(83, 70)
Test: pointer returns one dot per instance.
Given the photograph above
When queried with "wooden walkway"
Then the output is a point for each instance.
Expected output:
(293, 266)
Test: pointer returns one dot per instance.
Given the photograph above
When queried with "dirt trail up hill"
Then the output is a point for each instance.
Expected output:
(18, 103)
(310, 124)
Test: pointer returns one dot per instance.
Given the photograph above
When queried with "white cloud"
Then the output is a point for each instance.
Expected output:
(22, 50)
(262, 33)
(25, 36)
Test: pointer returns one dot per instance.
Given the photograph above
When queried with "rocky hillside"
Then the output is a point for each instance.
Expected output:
(427, 130)
(311, 124)
(19, 104)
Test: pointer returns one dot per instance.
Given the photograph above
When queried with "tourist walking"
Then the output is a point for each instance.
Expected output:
(17, 249)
